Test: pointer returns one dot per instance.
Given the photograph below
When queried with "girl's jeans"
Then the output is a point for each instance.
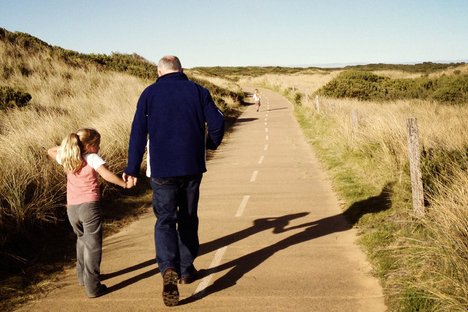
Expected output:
(86, 220)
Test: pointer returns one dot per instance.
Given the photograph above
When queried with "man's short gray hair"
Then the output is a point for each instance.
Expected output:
(169, 63)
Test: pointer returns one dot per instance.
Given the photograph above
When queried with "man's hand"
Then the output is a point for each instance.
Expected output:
(130, 181)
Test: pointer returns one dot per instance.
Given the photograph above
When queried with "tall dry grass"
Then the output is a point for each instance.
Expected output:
(428, 269)
(63, 99)
(219, 81)
(440, 260)
(384, 126)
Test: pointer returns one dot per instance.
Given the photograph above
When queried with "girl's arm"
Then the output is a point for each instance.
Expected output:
(111, 177)
(52, 152)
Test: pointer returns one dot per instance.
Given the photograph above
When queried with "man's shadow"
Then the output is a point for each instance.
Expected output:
(275, 223)
(311, 230)
(240, 266)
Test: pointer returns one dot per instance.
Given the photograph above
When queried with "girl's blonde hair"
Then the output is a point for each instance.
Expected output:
(75, 145)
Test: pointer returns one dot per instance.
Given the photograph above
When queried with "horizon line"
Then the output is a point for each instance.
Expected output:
(340, 64)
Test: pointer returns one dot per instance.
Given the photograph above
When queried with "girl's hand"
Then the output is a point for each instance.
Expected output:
(52, 152)
(127, 185)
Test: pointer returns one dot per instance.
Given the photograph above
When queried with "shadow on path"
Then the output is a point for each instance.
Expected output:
(275, 109)
(276, 223)
(245, 119)
(240, 266)
(311, 230)
(127, 270)
(134, 279)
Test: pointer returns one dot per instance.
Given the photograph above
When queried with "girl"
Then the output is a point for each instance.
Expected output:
(78, 156)
(256, 98)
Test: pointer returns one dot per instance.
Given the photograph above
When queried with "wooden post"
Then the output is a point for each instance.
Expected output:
(354, 124)
(317, 104)
(415, 166)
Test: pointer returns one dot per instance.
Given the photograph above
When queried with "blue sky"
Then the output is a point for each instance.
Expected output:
(254, 32)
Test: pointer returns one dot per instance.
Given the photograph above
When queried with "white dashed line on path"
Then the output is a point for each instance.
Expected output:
(205, 282)
(261, 159)
(243, 204)
(254, 176)
(215, 262)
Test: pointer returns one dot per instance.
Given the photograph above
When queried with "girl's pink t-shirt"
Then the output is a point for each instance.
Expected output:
(83, 186)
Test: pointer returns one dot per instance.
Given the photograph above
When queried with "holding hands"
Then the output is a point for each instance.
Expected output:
(129, 180)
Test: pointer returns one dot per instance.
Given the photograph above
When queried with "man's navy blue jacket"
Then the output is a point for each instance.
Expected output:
(174, 113)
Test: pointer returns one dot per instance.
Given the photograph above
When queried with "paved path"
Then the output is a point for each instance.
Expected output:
(272, 235)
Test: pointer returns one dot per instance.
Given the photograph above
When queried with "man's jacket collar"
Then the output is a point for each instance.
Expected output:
(173, 76)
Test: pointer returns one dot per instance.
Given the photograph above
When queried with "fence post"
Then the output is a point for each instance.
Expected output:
(415, 166)
(317, 104)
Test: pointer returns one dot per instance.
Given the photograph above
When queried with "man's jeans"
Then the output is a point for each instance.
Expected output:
(86, 221)
(175, 204)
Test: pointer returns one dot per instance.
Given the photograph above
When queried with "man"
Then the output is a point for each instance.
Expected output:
(180, 120)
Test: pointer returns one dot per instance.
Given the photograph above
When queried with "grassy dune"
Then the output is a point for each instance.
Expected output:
(422, 262)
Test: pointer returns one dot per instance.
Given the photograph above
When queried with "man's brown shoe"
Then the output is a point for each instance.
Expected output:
(189, 279)
(170, 292)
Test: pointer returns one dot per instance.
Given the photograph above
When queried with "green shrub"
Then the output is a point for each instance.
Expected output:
(364, 85)
(252, 71)
(298, 98)
(23, 40)
(355, 84)
(425, 67)
(453, 89)
(133, 64)
(10, 98)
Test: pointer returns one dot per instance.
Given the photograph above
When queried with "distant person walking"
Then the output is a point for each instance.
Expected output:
(181, 121)
(78, 156)
(256, 97)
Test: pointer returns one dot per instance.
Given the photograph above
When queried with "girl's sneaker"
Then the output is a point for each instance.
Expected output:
(102, 289)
